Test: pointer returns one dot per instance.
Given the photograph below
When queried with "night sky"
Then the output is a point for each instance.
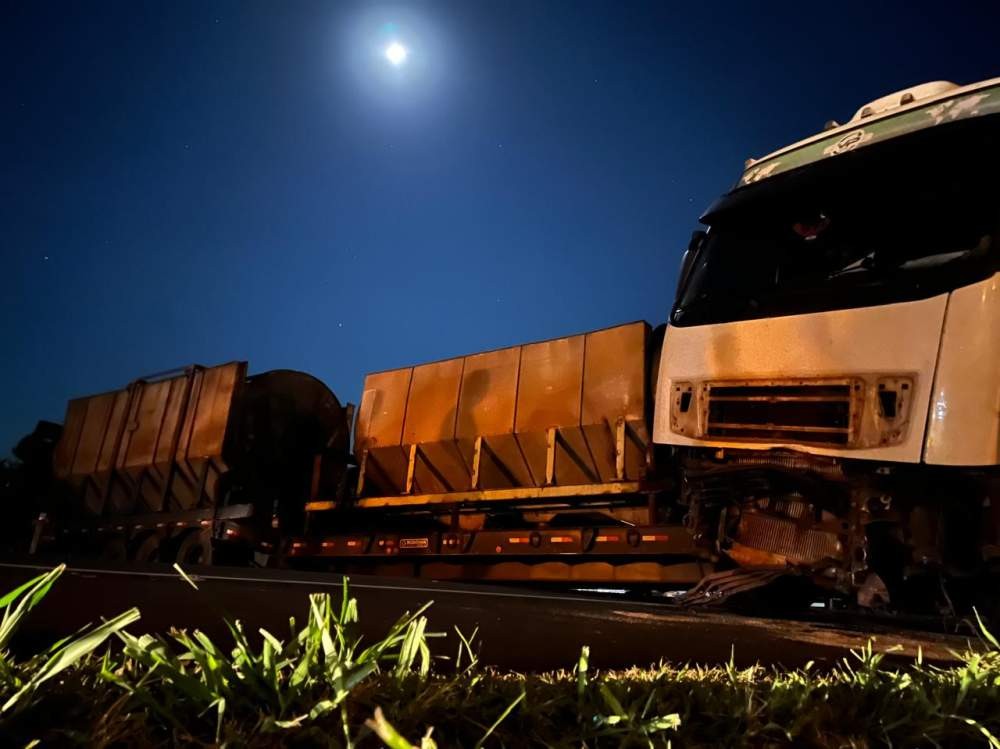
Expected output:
(196, 182)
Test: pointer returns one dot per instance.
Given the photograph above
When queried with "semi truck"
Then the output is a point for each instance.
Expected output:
(823, 402)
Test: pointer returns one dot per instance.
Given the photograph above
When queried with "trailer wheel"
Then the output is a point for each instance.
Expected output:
(147, 549)
(114, 550)
(195, 548)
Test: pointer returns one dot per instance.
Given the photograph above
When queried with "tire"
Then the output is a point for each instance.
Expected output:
(114, 550)
(195, 548)
(147, 548)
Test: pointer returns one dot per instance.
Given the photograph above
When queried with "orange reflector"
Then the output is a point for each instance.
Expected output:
(320, 506)
(610, 538)
(519, 540)
(656, 537)
(561, 539)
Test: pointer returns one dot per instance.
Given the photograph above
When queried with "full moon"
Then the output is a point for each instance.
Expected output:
(396, 53)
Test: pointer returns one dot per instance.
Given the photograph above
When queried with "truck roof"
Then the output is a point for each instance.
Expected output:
(895, 114)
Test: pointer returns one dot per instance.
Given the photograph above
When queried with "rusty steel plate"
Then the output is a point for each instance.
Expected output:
(117, 448)
(569, 412)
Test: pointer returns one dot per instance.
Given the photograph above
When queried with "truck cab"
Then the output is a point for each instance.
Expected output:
(831, 370)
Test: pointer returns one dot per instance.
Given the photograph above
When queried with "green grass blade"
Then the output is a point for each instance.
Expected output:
(385, 731)
(498, 721)
(71, 653)
(185, 576)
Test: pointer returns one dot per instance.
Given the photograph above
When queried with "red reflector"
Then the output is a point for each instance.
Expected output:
(656, 537)
(298, 545)
(231, 532)
(518, 540)
(561, 539)
(327, 544)
(608, 539)
(353, 543)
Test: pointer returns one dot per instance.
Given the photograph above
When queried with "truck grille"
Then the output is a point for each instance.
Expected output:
(803, 412)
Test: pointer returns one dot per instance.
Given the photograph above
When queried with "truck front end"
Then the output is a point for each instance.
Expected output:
(831, 370)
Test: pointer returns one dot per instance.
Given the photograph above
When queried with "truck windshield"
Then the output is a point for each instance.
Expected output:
(903, 220)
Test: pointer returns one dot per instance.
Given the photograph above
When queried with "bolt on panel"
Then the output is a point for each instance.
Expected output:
(614, 392)
(549, 397)
(431, 412)
(486, 409)
(378, 439)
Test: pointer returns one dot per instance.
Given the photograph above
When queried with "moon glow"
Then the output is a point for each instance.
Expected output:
(396, 53)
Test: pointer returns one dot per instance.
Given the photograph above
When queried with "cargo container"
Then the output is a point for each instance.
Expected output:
(157, 467)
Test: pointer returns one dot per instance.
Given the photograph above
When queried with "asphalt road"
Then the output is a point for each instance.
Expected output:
(520, 629)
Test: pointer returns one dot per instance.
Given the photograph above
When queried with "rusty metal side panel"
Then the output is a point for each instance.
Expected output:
(90, 447)
(614, 390)
(378, 438)
(136, 456)
(431, 411)
(211, 413)
(207, 405)
(65, 452)
(114, 431)
(486, 409)
(565, 412)
(124, 450)
(549, 396)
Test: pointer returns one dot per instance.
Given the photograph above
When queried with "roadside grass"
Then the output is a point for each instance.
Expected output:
(319, 684)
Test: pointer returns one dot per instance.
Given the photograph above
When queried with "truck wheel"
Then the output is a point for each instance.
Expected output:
(147, 549)
(196, 548)
(114, 550)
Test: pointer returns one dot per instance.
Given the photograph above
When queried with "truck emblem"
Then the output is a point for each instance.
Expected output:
(849, 142)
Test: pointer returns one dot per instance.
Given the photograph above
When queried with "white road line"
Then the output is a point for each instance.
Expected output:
(338, 583)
